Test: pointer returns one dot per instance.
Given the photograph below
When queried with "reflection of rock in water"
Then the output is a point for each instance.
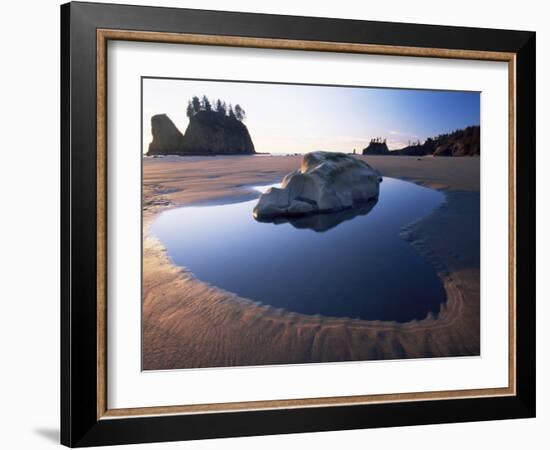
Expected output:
(324, 221)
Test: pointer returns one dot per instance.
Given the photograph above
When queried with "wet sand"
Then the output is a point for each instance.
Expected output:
(189, 324)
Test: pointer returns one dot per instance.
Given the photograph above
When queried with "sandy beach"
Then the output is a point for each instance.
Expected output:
(189, 324)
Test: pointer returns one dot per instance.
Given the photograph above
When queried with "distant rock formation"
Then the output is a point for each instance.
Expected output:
(208, 133)
(166, 137)
(465, 142)
(376, 148)
(415, 150)
(325, 182)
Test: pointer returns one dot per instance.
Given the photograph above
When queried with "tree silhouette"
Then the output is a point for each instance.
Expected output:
(190, 111)
(231, 112)
(206, 103)
(196, 104)
(240, 113)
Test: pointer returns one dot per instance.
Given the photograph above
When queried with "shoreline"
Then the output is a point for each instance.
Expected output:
(188, 323)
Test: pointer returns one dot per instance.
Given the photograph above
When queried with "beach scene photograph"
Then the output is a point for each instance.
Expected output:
(297, 224)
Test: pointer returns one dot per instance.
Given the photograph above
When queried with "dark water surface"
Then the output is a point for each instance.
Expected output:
(349, 264)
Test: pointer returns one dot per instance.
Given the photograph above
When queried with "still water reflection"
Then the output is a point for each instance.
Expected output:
(349, 264)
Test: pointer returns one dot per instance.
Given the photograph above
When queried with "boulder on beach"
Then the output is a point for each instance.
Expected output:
(326, 182)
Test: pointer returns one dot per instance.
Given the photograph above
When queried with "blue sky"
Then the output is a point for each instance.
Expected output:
(299, 119)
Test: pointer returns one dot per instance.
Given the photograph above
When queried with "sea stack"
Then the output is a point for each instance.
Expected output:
(376, 147)
(166, 137)
(325, 182)
(208, 133)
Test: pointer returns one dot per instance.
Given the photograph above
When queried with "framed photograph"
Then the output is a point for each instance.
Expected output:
(276, 224)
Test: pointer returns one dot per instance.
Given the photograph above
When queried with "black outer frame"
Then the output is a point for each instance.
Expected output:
(79, 423)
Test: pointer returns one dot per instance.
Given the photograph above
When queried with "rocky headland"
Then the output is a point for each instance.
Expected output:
(465, 142)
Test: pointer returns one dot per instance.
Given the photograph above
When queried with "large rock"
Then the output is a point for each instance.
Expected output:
(167, 138)
(325, 182)
(208, 133)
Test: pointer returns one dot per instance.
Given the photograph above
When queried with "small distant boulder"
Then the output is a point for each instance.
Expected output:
(325, 182)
